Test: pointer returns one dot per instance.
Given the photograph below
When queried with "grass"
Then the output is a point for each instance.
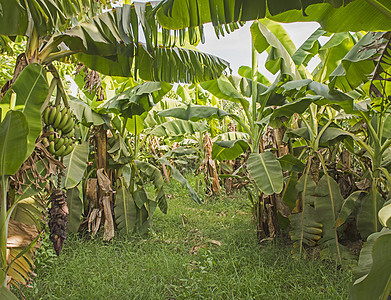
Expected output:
(193, 252)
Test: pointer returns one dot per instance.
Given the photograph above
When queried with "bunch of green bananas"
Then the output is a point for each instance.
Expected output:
(60, 119)
(60, 129)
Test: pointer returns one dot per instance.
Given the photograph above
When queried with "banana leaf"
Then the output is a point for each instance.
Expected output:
(154, 175)
(305, 228)
(373, 272)
(347, 208)
(13, 142)
(75, 207)
(193, 113)
(266, 171)
(229, 150)
(76, 164)
(125, 209)
(367, 220)
(279, 58)
(109, 43)
(328, 203)
(31, 89)
(178, 128)
(334, 16)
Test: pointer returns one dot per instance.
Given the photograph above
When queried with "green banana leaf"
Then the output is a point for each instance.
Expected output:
(135, 124)
(229, 150)
(290, 163)
(290, 193)
(367, 220)
(229, 145)
(125, 209)
(329, 137)
(193, 113)
(76, 164)
(178, 128)
(136, 100)
(246, 72)
(109, 43)
(223, 88)
(296, 107)
(332, 135)
(83, 112)
(347, 208)
(323, 95)
(6, 294)
(357, 64)
(31, 89)
(75, 207)
(328, 203)
(374, 268)
(331, 55)
(305, 228)
(13, 142)
(153, 174)
(266, 171)
(334, 16)
(45, 14)
(279, 58)
(309, 48)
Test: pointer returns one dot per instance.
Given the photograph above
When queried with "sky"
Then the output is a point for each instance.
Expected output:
(236, 46)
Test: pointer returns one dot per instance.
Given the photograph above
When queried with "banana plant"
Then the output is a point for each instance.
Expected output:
(373, 276)
(20, 127)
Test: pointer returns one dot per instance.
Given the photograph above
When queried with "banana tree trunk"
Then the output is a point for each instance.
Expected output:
(104, 190)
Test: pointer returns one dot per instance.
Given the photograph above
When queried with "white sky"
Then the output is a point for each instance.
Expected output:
(236, 46)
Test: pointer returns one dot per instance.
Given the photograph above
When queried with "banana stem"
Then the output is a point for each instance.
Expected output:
(3, 230)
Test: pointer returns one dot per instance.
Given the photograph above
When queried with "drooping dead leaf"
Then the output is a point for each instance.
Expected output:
(94, 220)
(209, 166)
(20, 235)
(282, 208)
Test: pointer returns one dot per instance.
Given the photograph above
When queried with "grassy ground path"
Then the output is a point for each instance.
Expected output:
(194, 252)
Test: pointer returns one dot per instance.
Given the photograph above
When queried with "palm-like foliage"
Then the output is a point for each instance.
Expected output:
(110, 42)
(334, 16)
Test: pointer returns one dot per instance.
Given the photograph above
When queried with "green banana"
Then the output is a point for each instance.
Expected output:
(69, 149)
(52, 115)
(58, 118)
(46, 114)
(64, 118)
(51, 148)
(45, 141)
(69, 126)
(60, 151)
(58, 143)
(71, 133)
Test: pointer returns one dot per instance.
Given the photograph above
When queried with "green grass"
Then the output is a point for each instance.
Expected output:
(182, 259)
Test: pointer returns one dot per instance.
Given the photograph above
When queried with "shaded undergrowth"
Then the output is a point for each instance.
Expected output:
(193, 252)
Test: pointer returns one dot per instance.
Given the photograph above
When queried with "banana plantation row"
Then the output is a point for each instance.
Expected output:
(312, 149)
